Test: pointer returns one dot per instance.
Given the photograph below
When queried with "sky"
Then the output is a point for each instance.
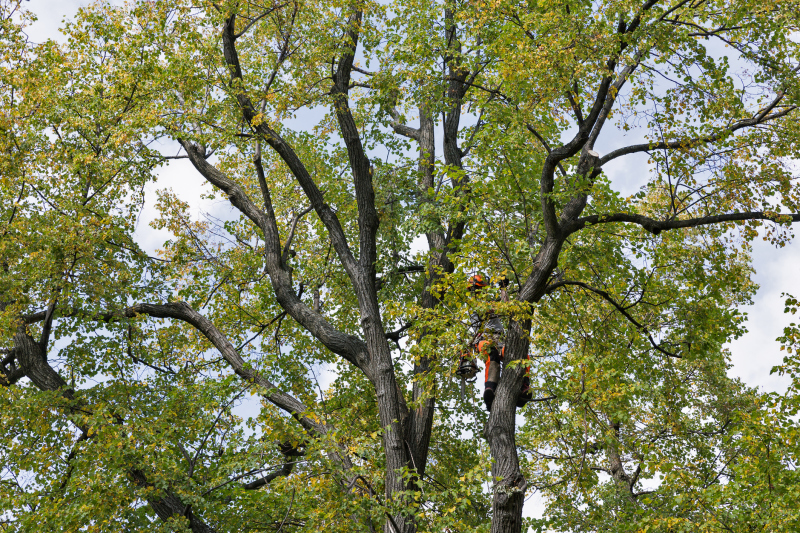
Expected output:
(777, 270)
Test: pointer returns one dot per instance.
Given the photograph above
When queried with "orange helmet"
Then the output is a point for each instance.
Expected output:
(478, 281)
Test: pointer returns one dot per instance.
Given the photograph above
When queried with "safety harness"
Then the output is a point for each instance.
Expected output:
(491, 348)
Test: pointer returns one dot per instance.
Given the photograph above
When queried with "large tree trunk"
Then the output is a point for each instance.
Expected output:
(510, 484)
(509, 490)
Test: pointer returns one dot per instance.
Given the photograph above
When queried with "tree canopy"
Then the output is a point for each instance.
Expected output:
(373, 156)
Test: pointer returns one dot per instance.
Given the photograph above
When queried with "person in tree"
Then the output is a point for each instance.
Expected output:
(489, 340)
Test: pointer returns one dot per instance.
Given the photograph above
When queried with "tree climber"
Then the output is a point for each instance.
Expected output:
(489, 340)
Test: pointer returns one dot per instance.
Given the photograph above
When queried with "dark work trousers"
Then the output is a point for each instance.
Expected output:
(494, 362)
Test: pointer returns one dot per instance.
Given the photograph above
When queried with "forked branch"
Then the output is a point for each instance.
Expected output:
(622, 310)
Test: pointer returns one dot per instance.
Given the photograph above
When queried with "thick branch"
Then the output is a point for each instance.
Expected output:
(11, 373)
(348, 346)
(287, 154)
(48, 324)
(610, 99)
(44, 377)
(170, 504)
(359, 162)
(589, 128)
(288, 451)
(400, 127)
(657, 226)
(182, 311)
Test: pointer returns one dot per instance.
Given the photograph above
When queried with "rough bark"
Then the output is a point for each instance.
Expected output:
(510, 485)
(372, 355)
(509, 491)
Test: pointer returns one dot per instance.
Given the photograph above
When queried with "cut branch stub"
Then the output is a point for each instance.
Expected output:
(589, 160)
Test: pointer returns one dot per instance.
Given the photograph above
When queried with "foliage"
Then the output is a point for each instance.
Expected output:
(288, 364)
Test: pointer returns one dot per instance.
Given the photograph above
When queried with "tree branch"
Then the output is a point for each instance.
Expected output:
(603, 294)
(657, 226)
(43, 376)
(400, 127)
(182, 311)
(289, 452)
(348, 346)
(575, 107)
(256, 19)
(288, 246)
(359, 162)
(287, 154)
(546, 146)
(759, 118)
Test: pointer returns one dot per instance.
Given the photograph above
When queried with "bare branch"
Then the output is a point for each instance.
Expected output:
(288, 246)
(256, 19)
(760, 118)
(603, 294)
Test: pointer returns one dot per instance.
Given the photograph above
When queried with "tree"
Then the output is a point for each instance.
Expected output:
(122, 371)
